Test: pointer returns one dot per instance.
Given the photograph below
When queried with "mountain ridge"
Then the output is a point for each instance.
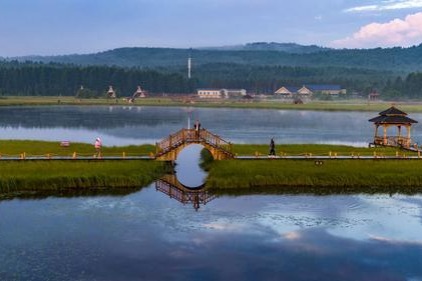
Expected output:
(259, 53)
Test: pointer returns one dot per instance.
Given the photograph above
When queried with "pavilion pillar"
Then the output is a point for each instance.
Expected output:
(376, 131)
(399, 140)
(384, 140)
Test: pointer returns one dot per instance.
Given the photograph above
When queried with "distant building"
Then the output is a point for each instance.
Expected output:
(287, 91)
(111, 93)
(307, 91)
(235, 93)
(326, 89)
(140, 93)
(374, 95)
(220, 93)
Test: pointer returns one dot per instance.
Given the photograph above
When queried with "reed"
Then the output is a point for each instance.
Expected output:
(340, 176)
(41, 176)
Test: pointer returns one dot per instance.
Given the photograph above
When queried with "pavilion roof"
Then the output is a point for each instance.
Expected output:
(393, 111)
(392, 116)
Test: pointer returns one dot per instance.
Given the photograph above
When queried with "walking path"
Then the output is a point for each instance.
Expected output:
(326, 157)
(245, 157)
(64, 158)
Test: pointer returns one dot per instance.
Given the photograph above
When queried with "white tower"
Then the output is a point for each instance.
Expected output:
(189, 66)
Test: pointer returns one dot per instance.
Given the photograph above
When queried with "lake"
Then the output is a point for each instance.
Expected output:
(140, 125)
(150, 234)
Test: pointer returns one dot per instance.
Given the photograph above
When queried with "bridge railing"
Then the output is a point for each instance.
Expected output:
(194, 136)
(172, 141)
(215, 140)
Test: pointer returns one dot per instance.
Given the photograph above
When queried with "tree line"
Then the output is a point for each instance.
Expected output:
(54, 79)
(38, 79)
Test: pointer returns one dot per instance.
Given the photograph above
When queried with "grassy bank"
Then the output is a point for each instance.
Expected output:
(23, 177)
(333, 176)
(42, 148)
(339, 105)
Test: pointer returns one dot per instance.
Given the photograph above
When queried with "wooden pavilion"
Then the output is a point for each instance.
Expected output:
(396, 118)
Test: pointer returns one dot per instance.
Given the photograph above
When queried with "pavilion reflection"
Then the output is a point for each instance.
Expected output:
(197, 196)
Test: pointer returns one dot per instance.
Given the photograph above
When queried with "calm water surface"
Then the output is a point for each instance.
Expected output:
(138, 125)
(149, 235)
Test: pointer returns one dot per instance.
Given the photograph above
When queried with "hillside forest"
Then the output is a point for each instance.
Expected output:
(256, 70)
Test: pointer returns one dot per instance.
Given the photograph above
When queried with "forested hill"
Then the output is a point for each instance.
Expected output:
(397, 59)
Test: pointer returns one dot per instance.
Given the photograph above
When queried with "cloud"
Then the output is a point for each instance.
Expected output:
(397, 32)
(387, 5)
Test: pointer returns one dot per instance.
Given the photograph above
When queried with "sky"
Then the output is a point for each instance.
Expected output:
(57, 27)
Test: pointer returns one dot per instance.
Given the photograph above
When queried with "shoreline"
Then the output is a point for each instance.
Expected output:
(279, 104)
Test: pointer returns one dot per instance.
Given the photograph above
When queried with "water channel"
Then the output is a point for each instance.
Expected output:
(149, 235)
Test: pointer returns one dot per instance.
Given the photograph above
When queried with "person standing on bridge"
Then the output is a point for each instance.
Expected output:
(97, 145)
(197, 127)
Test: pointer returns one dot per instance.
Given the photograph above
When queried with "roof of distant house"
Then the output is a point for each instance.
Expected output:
(316, 87)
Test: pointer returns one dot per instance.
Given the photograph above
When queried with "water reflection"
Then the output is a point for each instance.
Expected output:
(196, 196)
(188, 169)
(259, 237)
(187, 184)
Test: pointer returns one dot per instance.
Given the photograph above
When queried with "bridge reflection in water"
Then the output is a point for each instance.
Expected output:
(196, 196)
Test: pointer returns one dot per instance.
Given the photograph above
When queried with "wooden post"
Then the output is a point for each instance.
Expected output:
(74, 155)
(385, 135)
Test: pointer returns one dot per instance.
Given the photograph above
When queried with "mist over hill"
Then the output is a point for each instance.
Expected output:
(400, 60)
(292, 48)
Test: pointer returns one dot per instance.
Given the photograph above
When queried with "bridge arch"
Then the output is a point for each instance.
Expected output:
(169, 148)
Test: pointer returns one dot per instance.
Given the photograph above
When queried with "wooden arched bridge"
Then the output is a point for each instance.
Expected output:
(169, 148)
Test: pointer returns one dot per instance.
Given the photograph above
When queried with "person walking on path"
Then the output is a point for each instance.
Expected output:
(98, 144)
(272, 147)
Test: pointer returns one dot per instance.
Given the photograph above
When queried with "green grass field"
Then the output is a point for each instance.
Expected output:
(43, 148)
